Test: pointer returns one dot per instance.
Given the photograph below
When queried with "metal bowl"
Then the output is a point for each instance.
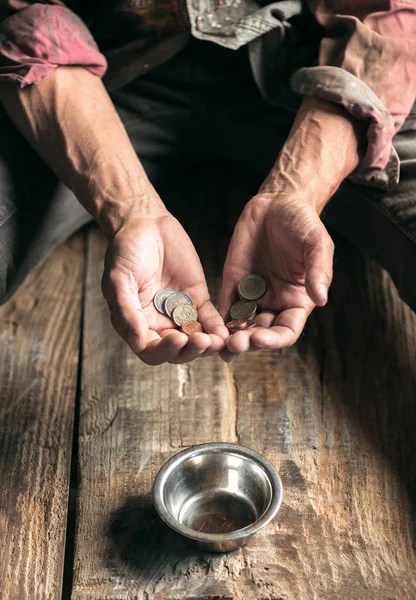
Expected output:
(217, 494)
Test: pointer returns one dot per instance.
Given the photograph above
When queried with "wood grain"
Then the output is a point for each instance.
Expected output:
(39, 350)
(335, 413)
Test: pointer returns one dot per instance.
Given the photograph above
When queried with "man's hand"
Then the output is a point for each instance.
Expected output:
(283, 240)
(148, 254)
(280, 235)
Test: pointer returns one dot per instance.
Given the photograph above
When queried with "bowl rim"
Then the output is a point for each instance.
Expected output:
(216, 448)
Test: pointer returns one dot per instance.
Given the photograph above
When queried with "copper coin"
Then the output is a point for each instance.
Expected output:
(190, 327)
(240, 325)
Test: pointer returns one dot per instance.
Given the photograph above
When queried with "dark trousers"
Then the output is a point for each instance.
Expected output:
(201, 105)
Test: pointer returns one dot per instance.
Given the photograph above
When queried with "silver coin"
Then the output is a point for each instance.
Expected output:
(243, 309)
(183, 313)
(160, 299)
(175, 300)
(252, 287)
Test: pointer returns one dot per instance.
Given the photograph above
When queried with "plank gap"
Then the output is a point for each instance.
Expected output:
(73, 485)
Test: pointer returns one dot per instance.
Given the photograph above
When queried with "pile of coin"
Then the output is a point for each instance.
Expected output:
(179, 307)
(252, 287)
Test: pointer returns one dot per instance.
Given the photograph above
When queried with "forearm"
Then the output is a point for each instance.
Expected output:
(71, 122)
(324, 146)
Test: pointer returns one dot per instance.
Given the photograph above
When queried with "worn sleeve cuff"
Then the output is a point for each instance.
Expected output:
(380, 164)
(37, 39)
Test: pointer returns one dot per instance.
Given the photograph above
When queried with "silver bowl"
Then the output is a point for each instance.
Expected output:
(217, 494)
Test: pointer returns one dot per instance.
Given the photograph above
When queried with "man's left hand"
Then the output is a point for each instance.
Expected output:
(282, 239)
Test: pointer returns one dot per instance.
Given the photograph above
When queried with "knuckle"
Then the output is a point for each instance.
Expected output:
(293, 336)
(114, 277)
(314, 237)
(256, 205)
(319, 243)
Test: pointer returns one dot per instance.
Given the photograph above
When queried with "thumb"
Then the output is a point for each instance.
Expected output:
(318, 255)
(227, 296)
(126, 311)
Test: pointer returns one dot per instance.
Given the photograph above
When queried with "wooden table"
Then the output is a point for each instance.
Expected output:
(335, 413)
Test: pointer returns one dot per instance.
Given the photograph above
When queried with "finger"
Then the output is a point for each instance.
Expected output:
(118, 326)
(227, 356)
(197, 344)
(216, 346)
(318, 257)
(211, 320)
(164, 349)
(240, 341)
(165, 332)
(120, 292)
(286, 329)
(265, 319)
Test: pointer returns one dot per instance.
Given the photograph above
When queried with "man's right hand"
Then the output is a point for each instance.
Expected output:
(147, 254)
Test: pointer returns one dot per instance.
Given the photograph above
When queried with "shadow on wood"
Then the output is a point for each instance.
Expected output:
(139, 538)
(366, 346)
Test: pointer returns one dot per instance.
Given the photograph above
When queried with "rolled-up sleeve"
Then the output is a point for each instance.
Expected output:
(367, 63)
(35, 38)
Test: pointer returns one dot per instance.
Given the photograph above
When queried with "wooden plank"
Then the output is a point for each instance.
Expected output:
(334, 413)
(39, 350)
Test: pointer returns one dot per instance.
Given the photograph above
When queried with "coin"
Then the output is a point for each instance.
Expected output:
(252, 287)
(183, 313)
(160, 299)
(175, 300)
(240, 325)
(190, 327)
(243, 309)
